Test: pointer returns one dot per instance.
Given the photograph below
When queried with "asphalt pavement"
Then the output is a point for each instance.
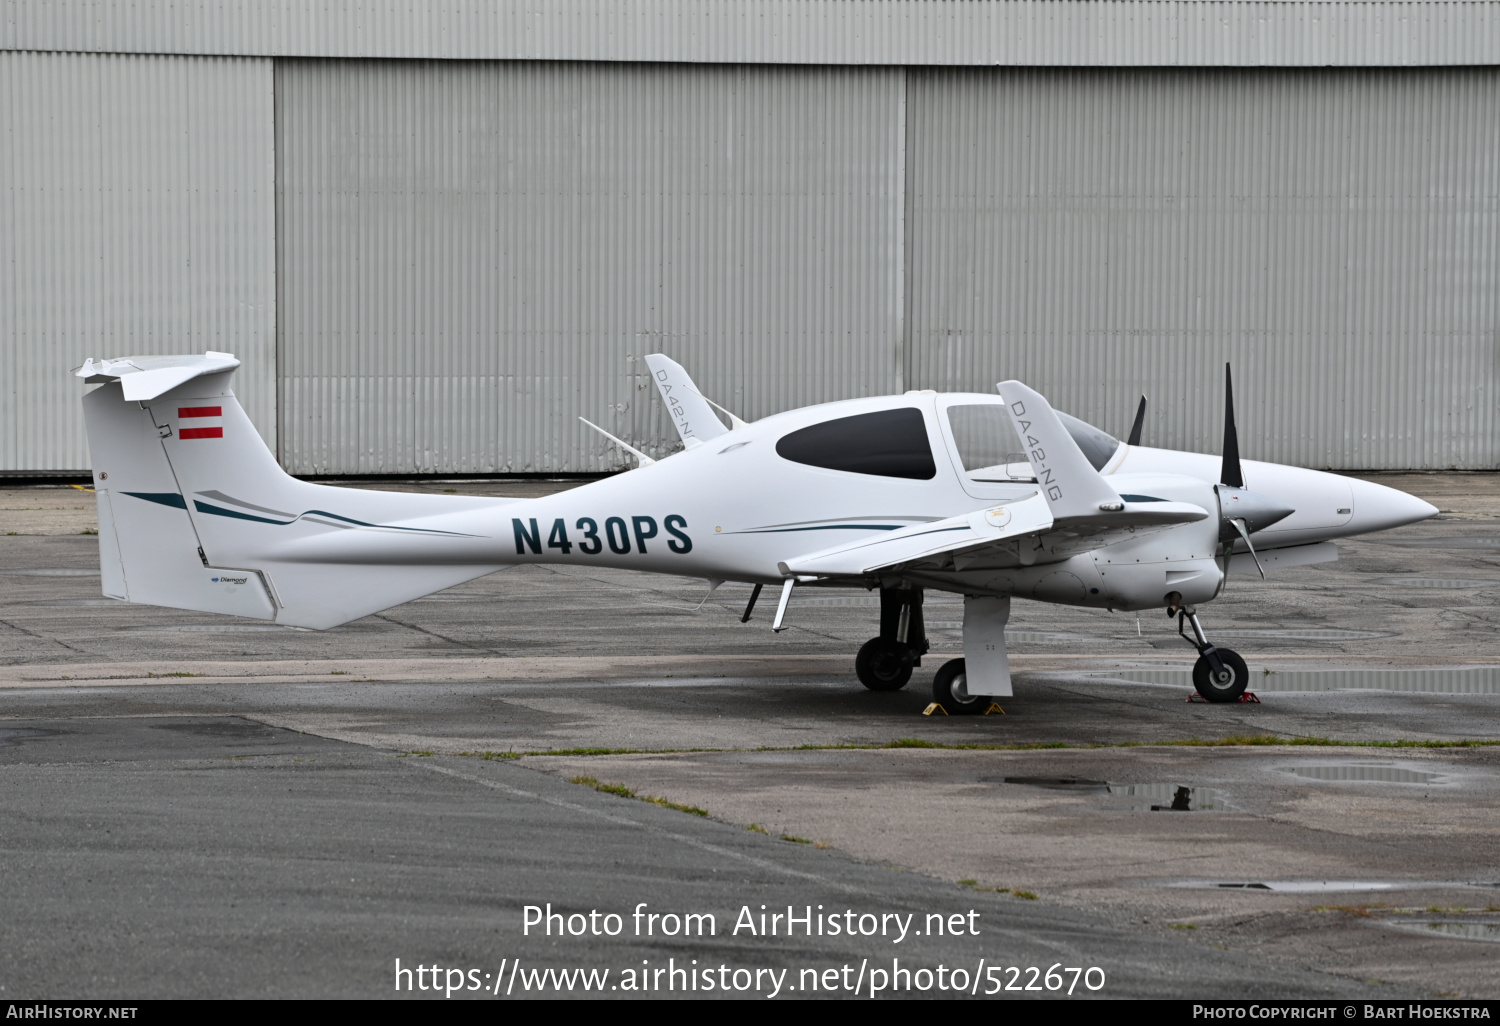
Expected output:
(199, 806)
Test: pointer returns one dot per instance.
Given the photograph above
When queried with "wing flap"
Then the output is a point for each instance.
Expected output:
(1020, 533)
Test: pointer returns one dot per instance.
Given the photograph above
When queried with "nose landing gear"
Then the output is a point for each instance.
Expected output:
(885, 663)
(1220, 675)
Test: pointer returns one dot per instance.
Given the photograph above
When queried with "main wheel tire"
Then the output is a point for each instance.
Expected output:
(949, 691)
(884, 665)
(1214, 690)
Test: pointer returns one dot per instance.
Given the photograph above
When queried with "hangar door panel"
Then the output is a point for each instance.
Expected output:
(136, 219)
(473, 254)
(1335, 234)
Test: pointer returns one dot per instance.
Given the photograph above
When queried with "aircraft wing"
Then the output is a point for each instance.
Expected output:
(1019, 533)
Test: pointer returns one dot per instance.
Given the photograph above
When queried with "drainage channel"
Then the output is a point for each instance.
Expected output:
(1474, 680)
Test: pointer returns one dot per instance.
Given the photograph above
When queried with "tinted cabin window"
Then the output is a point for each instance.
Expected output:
(889, 443)
(991, 450)
(987, 443)
(1097, 446)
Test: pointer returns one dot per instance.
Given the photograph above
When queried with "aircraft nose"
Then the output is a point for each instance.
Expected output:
(1378, 508)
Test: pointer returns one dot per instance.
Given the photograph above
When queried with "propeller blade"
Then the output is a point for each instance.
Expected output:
(1140, 421)
(1239, 525)
(1230, 474)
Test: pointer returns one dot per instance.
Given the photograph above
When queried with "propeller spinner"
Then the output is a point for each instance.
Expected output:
(1241, 511)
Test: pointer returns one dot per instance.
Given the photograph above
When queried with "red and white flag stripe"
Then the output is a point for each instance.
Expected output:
(200, 422)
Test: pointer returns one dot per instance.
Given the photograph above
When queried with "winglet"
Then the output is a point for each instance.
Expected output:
(690, 411)
(1071, 485)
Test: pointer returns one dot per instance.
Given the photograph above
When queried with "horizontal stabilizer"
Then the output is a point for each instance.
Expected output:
(146, 377)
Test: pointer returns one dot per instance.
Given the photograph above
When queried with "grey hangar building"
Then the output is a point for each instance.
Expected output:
(438, 233)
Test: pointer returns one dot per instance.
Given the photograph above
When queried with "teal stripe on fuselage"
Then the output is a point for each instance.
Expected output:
(828, 527)
(165, 498)
(220, 511)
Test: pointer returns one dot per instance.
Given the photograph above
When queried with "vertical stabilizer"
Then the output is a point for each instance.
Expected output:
(195, 512)
(148, 550)
(691, 414)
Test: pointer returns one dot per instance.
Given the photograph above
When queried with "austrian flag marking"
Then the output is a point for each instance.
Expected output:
(200, 422)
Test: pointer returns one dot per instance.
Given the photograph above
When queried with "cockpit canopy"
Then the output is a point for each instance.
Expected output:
(894, 443)
(990, 449)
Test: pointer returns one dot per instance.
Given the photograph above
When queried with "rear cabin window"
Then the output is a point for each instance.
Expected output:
(887, 443)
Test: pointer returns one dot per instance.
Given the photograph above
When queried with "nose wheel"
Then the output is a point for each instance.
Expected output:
(1219, 675)
(1225, 684)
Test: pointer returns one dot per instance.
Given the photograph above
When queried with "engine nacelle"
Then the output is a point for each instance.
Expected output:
(1138, 573)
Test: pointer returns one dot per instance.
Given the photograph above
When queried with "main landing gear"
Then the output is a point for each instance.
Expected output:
(1220, 675)
(950, 690)
(885, 663)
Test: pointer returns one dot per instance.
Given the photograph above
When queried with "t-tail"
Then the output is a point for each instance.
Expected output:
(195, 512)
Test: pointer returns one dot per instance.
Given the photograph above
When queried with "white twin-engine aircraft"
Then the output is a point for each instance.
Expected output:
(987, 496)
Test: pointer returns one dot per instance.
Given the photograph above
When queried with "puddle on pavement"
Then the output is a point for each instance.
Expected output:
(49, 573)
(1365, 772)
(210, 628)
(1020, 637)
(231, 729)
(1139, 797)
(865, 600)
(1478, 680)
(1302, 633)
(1298, 886)
(1169, 798)
(12, 735)
(83, 602)
(1447, 583)
(1077, 785)
(1450, 928)
(1471, 542)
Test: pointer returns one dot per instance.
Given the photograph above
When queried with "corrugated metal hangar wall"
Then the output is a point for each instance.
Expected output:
(436, 266)
(137, 218)
(473, 254)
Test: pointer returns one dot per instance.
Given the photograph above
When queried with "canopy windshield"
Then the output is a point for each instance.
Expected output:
(991, 451)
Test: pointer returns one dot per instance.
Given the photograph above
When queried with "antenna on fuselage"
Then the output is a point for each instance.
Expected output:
(645, 460)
